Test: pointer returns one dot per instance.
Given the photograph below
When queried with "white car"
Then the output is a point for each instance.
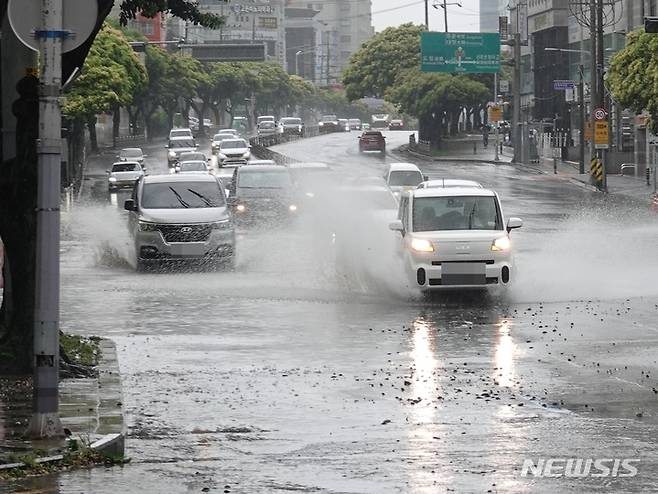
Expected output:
(131, 154)
(449, 182)
(123, 175)
(182, 132)
(193, 166)
(233, 151)
(219, 137)
(403, 176)
(454, 237)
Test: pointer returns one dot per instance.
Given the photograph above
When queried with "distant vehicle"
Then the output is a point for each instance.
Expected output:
(192, 156)
(402, 177)
(123, 175)
(219, 137)
(267, 128)
(448, 182)
(453, 237)
(233, 151)
(372, 140)
(379, 120)
(396, 125)
(234, 132)
(196, 166)
(265, 118)
(355, 123)
(131, 154)
(180, 133)
(193, 122)
(262, 192)
(241, 124)
(343, 125)
(178, 145)
(365, 126)
(261, 162)
(291, 126)
(328, 123)
(180, 217)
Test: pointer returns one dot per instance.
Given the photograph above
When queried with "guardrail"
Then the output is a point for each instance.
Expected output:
(134, 139)
(420, 147)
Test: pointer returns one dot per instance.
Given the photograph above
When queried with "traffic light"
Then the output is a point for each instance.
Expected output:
(651, 24)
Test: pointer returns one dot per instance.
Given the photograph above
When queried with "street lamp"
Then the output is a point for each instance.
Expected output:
(444, 6)
(297, 61)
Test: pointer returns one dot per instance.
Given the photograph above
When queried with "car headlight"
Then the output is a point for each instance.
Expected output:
(145, 226)
(421, 245)
(172, 154)
(241, 208)
(222, 156)
(292, 208)
(112, 179)
(299, 128)
(320, 124)
(247, 154)
(222, 225)
(310, 194)
(501, 244)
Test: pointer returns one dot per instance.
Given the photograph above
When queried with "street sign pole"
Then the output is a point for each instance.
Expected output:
(496, 156)
(45, 420)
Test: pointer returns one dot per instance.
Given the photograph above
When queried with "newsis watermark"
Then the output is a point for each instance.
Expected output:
(580, 467)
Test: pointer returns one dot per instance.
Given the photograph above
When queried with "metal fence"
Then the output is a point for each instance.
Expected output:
(420, 147)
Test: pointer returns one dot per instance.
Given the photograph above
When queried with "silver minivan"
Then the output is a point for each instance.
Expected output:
(181, 217)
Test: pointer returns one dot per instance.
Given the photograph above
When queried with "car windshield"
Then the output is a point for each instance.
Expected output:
(291, 121)
(372, 134)
(264, 179)
(126, 167)
(223, 136)
(329, 118)
(409, 178)
(181, 143)
(267, 125)
(355, 120)
(456, 213)
(178, 195)
(193, 166)
(234, 144)
(131, 153)
(192, 157)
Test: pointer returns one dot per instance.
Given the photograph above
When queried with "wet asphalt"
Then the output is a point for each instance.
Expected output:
(293, 374)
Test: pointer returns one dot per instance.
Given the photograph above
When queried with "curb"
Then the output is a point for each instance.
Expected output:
(402, 150)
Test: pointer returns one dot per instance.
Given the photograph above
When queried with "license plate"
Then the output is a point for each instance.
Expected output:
(192, 249)
(463, 273)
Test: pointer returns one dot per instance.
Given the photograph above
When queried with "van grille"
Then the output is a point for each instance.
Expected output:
(185, 233)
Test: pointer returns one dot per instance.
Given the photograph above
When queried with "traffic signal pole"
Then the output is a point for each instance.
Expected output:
(600, 75)
(45, 421)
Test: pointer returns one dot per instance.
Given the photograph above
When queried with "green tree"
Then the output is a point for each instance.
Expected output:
(633, 75)
(436, 99)
(374, 68)
(111, 75)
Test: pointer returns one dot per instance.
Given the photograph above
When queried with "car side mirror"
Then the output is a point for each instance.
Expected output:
(232, 201)
(425, 178)
(129, 205)
(396, 226)
(513, 223)
(107, 171)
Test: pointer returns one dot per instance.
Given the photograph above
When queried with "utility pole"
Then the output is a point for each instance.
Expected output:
(581, 115)
(445, 14)
(495, 100)
(600, 67)
(427, 15)
(45, 420)
(516, 99)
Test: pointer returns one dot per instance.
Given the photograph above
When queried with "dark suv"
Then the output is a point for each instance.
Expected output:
(372, 140)
(262, 192)
(328, 123)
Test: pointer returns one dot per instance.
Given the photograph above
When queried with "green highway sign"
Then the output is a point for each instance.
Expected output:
(459, 53)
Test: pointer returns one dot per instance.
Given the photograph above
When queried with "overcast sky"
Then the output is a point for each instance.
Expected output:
(462, 19)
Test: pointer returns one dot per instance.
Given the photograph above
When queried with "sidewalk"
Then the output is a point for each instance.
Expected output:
(89, 408)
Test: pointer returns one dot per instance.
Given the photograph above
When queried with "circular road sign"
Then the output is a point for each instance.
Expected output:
(78, 16)
(600, 114)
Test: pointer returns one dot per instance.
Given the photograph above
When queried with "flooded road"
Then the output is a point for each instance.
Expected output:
(288, 375)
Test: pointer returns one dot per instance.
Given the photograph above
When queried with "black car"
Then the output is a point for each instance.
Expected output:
(262, 193)
(396, 124)
(328, 123)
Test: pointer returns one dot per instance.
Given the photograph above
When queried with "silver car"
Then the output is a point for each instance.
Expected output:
(178, 145)
(123, 175)
(233, 151)
(131, 154)
(181, 217)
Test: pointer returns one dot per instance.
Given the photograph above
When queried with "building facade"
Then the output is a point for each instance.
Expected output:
(341, 27)
(260, 21)
(490, 12)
